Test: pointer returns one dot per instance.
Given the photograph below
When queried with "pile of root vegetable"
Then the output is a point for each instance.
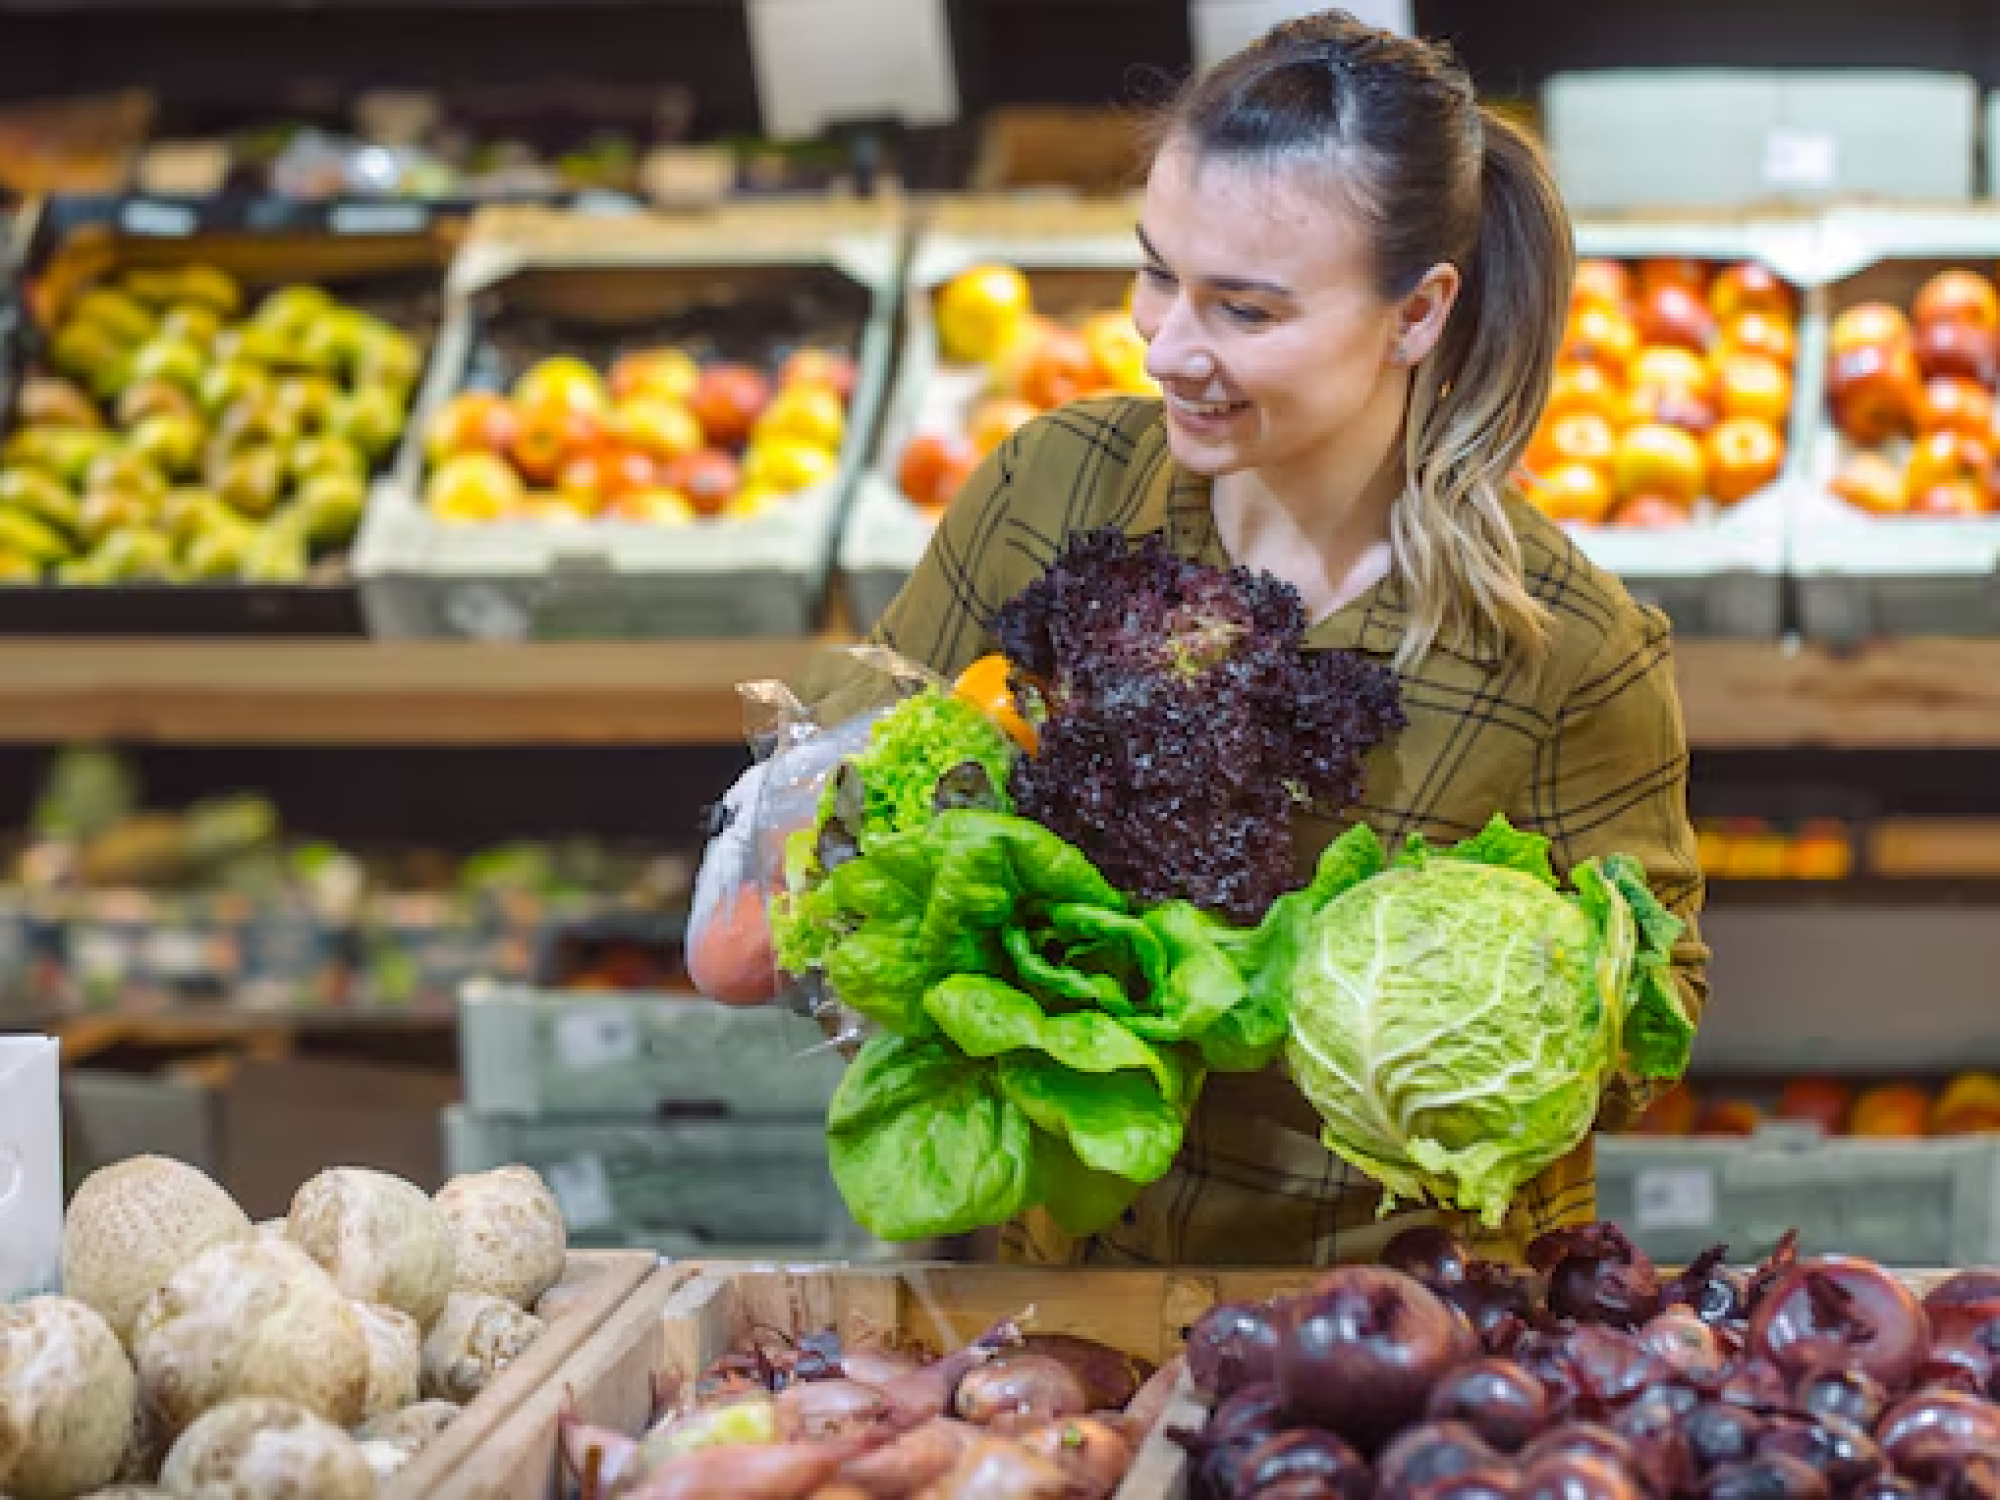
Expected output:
(1011, 1416)
(197, 1354)
(1594, 1376)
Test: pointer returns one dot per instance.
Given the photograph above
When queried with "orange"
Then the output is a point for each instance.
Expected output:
(987, 685)
(1891, 1111)
(1572, 492)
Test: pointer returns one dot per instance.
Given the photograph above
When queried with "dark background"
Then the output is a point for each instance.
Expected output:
(233, 52)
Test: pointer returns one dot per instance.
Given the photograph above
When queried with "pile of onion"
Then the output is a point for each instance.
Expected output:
(1437, 1376)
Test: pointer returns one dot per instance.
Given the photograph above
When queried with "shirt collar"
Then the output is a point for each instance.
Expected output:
(1374, 622)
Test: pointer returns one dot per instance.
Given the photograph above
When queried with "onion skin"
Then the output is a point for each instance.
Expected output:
(1143, 1411)
(814, 1409)
(1597, 1275)
(1109, 1377)
(1094, 1454)
(781, 1471)
(919, 1457)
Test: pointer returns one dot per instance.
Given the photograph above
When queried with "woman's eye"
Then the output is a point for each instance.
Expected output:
(1157, 275)
(1244, 312)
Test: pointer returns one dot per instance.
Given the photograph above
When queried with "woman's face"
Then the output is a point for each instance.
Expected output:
(1265, 328)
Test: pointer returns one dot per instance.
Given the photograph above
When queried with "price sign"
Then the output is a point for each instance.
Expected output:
(1800, 158)
(1673, 1198)
(823, 61)
(583, 1192)
(164, 220)
(596, 1036)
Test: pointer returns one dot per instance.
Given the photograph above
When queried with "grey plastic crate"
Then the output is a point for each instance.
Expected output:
(682, 1189)
(1714, 138)
(510, 580)
(1904, 1203)
(529, 1053)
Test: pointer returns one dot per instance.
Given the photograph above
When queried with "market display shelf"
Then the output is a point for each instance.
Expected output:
(1735, 694)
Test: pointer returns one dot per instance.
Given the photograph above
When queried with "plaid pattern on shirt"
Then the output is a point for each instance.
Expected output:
(1585, 746)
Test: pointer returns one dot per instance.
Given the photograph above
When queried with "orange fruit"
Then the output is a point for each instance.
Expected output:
(979, 311)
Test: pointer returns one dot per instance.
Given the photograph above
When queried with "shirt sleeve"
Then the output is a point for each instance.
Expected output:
(1612, 778)
(943, 615)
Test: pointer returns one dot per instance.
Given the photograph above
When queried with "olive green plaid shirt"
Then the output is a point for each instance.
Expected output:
(1585, 746)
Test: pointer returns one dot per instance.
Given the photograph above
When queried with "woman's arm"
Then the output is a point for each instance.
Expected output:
(1612, 778)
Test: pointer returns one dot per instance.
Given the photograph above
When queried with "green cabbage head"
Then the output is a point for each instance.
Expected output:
(1457, 1013)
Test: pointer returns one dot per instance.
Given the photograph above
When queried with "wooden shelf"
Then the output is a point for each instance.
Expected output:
(1735, 695)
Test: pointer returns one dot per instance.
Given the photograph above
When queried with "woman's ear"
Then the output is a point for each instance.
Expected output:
(1421, 319)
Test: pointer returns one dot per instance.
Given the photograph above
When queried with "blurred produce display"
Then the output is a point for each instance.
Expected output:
(660, 436)
(1966, 1104)
(1910, 389)
(1003, 362)
(111, 902)
(1672, 393)
(174, 428)
(1758, 849)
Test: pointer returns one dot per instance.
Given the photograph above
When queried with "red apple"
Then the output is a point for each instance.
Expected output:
(1675, 406)
(1956, 499)
(1601, 336)
(1958, 296)
(1870, 482)
(1654, 459)
(709, 479)
(1751, 385)
(1955, 346)
(1940, 458)
(727, 401)
(1760, 333)
(1605, 283)
(1868, 323)
(1875, 391)
(1677, 318)
(1652, 513)
(1955, 405)
(1749, 286)
(1675, 271)
(1744, 455)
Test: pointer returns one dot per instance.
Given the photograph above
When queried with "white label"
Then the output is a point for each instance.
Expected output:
(1673, 1198)
(1800, 158)
(377, 218)
(828, 60)
(583, 1192)
(596, 1036)
(1221, 28)
(170, 220)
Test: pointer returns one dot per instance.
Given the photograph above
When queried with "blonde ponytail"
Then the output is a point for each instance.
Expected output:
(1474, 405)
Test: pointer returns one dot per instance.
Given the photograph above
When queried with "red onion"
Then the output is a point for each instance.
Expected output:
(1837, 1307)
(1575, 1477)
(1429, 1452)
(1843, 1391)
(1681, 1339)
(1927, 1436)
(1597, 1275)
(1232, 1345)
(1500, 1401)
(1842, 1452)
(1771, 1477)
(1306, 1454)
(1361, 1352)
(1430, 1253)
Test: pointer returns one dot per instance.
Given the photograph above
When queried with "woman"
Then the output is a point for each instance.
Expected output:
(1355, 281)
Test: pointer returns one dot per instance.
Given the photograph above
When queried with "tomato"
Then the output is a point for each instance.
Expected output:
(730, 957)
(934, 468)
(728, 400)
(709, 479)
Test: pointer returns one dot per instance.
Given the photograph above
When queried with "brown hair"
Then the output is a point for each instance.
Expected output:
(1438, 178)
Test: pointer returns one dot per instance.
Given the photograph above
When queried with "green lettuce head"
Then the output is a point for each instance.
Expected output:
(1457, 1013)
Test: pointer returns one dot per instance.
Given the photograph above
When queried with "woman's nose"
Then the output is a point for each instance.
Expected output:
(1173, 350)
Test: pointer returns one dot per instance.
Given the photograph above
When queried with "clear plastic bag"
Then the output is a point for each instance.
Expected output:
(799, 737)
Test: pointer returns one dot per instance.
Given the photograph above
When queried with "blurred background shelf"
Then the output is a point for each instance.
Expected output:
(1735, 695)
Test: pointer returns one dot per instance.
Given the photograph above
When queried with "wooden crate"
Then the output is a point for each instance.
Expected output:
(1146, 1313)
(595, 1284)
